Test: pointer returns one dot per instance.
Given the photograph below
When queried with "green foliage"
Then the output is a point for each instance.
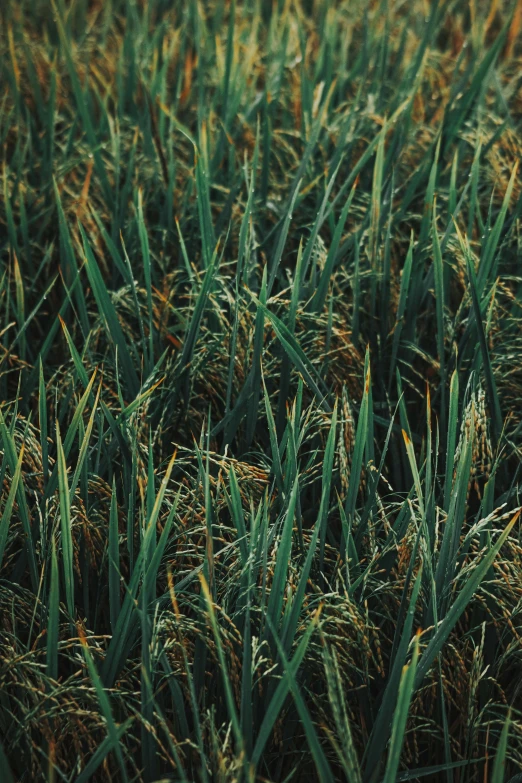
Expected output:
(260, 391)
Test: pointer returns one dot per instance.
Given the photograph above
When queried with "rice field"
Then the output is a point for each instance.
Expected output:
(260, 391)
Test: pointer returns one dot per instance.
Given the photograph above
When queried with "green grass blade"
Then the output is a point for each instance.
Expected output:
(231, 706)
(357, 458)
(53, 618)
(459, 605)
(385, 716)
(324, 772)
(277, 591)
(101, 753)
(440, 309)
(321, 292)
(452, 437)
(7, 511)
(281, 692)
(81, 103)
(103, 698)
(23, 509)
(499, 765)
(65, 525)
(400, 717)
(114, 560)
(109, 317)
(401, 309)
(145, 251)
(296, 354)
(5, 769)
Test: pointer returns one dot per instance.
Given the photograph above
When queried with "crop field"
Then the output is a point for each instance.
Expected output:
(260, 391)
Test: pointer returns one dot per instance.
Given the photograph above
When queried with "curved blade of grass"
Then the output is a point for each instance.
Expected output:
(323, 769)
(145, 252)
(102, 751)
(414, 469)
(126, 624)
(77, 361)
(103, 699)
(281, 692)
(109, 317)
(487, 267)
(467, 97)
(459, 605)
(81, 104)
(316, 226)
(329, 454)
(296, 354)
(454, 522)
(197, 315)
(42, 421)
(85, 444)
(23, 510)
(272, 432)
(491, 386)
(276, 258)
(321, 292)
(9, 503)
(208, 240)
(291, 620)
(286, 364)
(436, 769)
(68, 261)
(259, 331)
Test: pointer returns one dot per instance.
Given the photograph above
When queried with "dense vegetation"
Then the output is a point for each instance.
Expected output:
(260, 385)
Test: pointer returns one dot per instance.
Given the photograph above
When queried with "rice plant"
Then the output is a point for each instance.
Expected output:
(260, 391)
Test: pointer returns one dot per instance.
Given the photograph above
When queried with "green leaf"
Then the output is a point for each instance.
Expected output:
(499, 765)
(277, 591)
(386, 715)
(296, 354)
(400, 716)
(114, 560)
(231, 706)
(281, 692)
(103, 699)
(5, 769)
(321, 292)
(401, 309)
(9, 503)
(440, 307)
(23, 510)
(53, 618)
(82, 104)
(357, 457)
(65, 525)
(464, 596)
(323, 769)
(102, 751)
(110, 317)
